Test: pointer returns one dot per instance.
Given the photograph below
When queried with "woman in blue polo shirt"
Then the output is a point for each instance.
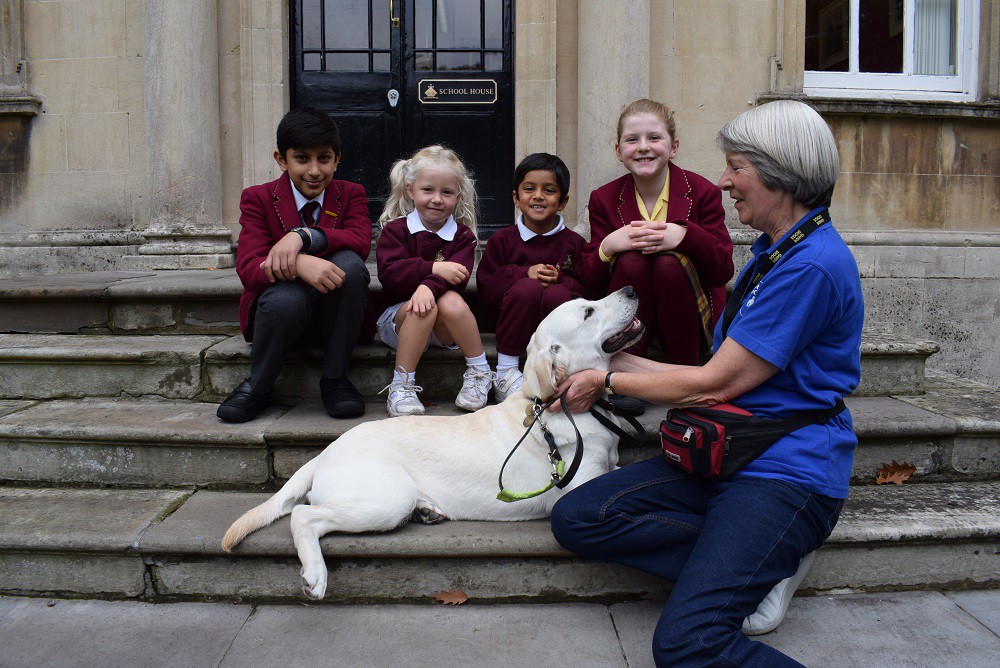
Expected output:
(737, 549)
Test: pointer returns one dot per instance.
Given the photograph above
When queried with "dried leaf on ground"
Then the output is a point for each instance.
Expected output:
(452, 597)
(895, 472)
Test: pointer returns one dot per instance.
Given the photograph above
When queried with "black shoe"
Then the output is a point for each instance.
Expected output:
(243, 405)
(626, 405)
(340, 398)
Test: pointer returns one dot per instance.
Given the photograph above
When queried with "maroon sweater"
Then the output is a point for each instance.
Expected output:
(405, 261)
(507, 258)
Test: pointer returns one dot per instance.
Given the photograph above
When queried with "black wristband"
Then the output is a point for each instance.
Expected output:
(607, 383)
(305, 236)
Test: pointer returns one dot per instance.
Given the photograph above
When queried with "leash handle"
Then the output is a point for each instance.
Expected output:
(640, 431)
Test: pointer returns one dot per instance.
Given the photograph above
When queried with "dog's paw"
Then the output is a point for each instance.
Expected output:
(428, 513)
(314, 583)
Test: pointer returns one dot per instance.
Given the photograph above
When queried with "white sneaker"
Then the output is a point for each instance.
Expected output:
(772, 609)
(507, 384)
(475, 390)
(403, 399)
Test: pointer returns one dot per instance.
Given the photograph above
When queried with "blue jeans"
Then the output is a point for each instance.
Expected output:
(723, 544)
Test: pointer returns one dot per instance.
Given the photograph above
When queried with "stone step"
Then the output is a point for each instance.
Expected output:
(156, 442)
(164, 544)
(48, 366)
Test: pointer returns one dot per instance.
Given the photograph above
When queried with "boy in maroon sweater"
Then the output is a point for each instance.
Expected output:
(529, 268)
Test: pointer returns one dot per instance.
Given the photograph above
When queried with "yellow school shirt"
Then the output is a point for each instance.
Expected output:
(660, 210)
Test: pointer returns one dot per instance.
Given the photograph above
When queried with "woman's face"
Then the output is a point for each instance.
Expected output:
(645, 146)
(752, 200)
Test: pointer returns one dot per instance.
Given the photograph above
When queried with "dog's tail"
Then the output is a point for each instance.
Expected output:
(279, 505)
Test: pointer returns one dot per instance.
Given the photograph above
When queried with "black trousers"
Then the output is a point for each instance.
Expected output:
(293, 314)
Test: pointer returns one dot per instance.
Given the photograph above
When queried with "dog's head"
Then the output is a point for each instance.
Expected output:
(579, 335)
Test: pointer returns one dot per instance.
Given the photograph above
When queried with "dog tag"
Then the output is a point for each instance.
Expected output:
(528, 420)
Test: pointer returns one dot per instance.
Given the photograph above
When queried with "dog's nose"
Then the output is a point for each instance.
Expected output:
(629, 291)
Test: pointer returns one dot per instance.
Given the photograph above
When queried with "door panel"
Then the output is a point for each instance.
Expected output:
(347, 56)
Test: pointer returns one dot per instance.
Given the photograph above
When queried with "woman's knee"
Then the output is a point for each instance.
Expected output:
(571, 515)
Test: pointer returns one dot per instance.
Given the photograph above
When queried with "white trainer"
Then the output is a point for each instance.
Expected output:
(403, 399)
(475, 390)
(772, 609)
(507, 384)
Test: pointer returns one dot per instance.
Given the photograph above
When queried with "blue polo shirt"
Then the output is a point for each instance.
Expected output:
(804, 317)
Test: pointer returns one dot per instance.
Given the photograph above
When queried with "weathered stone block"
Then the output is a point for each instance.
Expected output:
(69, 573)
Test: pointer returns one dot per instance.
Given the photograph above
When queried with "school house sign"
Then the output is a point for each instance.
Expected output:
(457, 91)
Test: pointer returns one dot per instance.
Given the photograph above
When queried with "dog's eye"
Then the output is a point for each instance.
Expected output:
(587, 312)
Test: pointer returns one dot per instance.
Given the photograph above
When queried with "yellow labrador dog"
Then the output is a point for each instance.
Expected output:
(380, 474)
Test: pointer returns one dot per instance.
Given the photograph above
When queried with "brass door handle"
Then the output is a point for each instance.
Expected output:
(394, 19)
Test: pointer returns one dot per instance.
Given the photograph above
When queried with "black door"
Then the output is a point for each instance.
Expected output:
(401, 74)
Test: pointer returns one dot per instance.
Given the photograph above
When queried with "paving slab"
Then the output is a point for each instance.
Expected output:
(96, 520)
(73, 573)
(41, 632)
(153, 442)
(902, 629)
(974, 410)
(905, 629)
(920, 511)
(80, 285)
(180, 283)
(468, 635)
(983, 605)
(197, 528)
(58, 365)
(9, 406)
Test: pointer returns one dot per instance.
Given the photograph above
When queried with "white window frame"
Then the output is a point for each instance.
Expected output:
(960, 87)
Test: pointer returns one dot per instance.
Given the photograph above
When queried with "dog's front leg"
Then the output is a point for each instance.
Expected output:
(309, 523)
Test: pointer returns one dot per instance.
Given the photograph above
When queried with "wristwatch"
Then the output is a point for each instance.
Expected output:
(304, 235)
(607, 383)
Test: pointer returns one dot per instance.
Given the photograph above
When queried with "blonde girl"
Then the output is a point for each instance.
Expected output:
(425, 256)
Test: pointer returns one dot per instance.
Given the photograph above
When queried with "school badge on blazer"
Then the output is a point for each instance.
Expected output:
(439, 257)
(566, 265)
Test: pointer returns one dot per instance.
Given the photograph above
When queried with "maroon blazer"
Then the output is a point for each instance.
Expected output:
(694, 201)
(268, 212)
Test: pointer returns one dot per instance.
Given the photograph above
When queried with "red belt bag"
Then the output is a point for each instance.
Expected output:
(716, 441)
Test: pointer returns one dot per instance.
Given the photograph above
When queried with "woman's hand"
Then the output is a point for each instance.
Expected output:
(452, 272)
(319, 273)
(279, 265)
(546, 274)
(652, 236)
(583, 389)
(422, 302)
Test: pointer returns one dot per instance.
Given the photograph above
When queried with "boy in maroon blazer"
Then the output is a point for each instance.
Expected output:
(528, 269)
(301, 258)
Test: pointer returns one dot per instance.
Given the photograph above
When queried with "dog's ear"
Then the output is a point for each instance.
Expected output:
(544, 369)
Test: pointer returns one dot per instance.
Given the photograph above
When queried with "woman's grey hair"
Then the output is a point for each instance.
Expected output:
(790, 145)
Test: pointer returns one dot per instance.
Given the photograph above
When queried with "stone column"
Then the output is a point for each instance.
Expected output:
(613, 71)
(181, 92)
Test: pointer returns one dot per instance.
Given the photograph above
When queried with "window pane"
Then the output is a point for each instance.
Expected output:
(380, 22)
(311, 62)
(880, 36)
(311, 36)
(494, 62)
(494, 24)
(934, 36)
(458, 24)
(346, 25)
(347, 62)
(463, 60)
(424, 62)
(827, 35)
(423, 24)
(381, 62)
